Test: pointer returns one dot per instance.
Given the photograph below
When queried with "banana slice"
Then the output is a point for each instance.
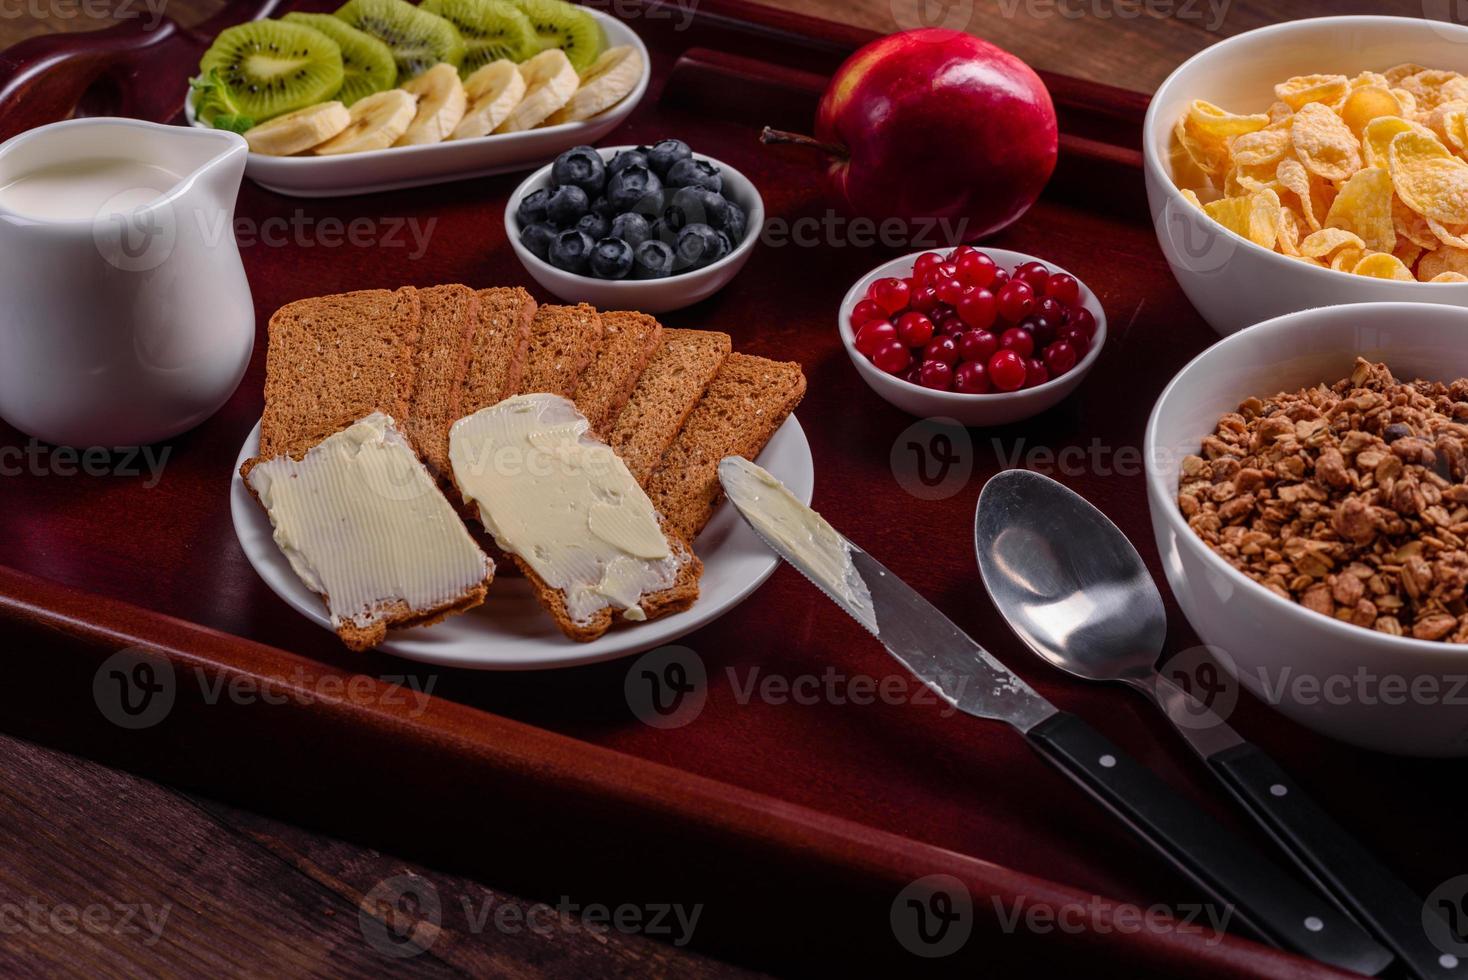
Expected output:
(493, 91)
(605, 83)
(377, 122)
(550, 81)
(296, 132)
(441, 104)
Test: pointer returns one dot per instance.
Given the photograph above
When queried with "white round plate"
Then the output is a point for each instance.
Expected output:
(510, 631)
(413, 166)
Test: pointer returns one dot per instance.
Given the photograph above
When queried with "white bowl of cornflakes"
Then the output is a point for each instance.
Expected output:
(1366, 214)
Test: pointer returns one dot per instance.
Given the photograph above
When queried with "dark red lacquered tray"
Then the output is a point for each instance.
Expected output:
(795, 824)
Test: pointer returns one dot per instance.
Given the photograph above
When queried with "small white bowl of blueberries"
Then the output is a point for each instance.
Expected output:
(651, 228)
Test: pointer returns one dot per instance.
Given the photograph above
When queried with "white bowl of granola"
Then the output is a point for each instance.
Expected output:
(1331, 583)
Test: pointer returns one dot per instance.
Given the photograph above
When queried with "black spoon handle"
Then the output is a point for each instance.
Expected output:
(1335, 859)
(1277, 906)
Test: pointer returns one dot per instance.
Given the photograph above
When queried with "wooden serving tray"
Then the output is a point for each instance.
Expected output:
(794, 818)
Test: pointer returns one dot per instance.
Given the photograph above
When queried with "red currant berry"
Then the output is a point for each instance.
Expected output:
(1016, 301)
(1060, 357)
(892, 357)
(1007, 370)
(864, 311)
(925, 299)
(976, 269)
(978, 308)
(948, 269)
(1052, 310)
(971, 378)
(1063, 288)
(960, 252)
(977, 345)
(1083, 320)
(1077, 338)
(936, 375)
(922, 268)
(1000, 279)
(914, 329)
(873, 334)
(950, 291)
(952, 325)
(890, 294)
(1018, 340)
(1041, 328)
(943, 348)
(1035, 373)
(1034, 275)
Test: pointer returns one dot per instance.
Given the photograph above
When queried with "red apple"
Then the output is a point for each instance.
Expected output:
(936, 124)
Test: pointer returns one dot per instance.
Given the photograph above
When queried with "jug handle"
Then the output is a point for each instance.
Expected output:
(138, 68)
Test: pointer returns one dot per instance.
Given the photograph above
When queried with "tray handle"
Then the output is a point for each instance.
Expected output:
(138, 68)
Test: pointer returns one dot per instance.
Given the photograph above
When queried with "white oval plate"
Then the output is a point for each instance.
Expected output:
(414, 166)
(511, 631)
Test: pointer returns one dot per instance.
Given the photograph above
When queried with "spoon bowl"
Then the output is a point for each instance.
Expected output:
(1067, 580)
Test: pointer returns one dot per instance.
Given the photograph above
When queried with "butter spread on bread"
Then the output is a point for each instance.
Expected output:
(565, 504)
(364, 525)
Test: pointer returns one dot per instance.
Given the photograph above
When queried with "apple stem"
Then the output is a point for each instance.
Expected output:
(769, 135)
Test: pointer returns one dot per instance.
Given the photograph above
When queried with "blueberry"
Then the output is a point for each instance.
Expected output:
(627, 158)
(635, 188)
(726, 244)
(580, 166)
(567, 203)
(532, 207)
(538, 238)
(631, 227)
(695, 205)
(665, 153)
(611, 258)
(697, 246)
(695, 173)
(570, 251)
(652, 260)
(601, 207)
(734, 223)
(594, 225)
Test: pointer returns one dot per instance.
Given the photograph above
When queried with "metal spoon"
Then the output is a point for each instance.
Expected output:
(1075, 590)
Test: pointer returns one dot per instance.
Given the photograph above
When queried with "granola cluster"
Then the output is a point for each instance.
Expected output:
(1349, 499)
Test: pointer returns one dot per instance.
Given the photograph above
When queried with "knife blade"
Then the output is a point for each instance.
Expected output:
(964, 674)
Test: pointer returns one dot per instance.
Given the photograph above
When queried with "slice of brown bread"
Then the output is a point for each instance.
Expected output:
(349, 524)
(675, 379)
(629, 341)
(748, 400)
(440, 360)
(497, 347)
(335, 359)
(675, 598)
(563, 341)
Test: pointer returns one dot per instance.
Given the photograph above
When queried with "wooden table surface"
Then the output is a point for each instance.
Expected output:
(111, 875)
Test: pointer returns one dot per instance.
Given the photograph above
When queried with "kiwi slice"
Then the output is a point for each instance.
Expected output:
(565, 26)
(271, 67)
(418, 40)
(492, 29)
(366, 61)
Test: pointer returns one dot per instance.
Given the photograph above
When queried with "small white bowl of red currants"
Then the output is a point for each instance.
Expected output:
(984, 336)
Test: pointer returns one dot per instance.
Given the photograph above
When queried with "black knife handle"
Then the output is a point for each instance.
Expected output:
(1277, 906)
(1337, 861)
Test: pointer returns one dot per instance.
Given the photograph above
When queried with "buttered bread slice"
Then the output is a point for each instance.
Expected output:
(571, 515)
(365, 526)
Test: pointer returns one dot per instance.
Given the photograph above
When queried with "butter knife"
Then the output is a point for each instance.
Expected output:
(964, 674)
